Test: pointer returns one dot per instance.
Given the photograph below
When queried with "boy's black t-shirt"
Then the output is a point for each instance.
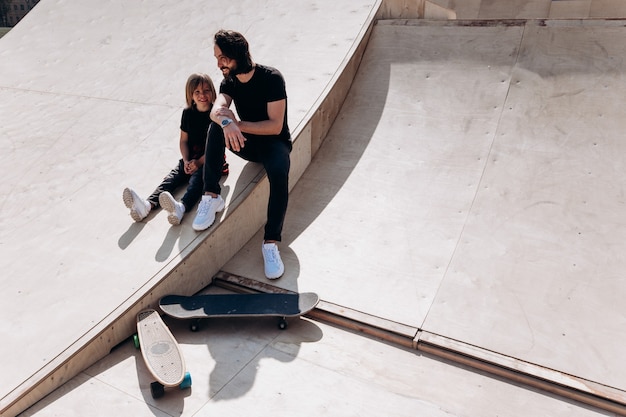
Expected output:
(251, 98)
(196, 124)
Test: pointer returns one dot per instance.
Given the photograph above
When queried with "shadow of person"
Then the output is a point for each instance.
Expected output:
(165, 250)
(130, 234)
(241, 354)
(183, 233)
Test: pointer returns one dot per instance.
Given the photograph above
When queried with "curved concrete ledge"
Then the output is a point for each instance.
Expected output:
(197, 263)
(200, 261)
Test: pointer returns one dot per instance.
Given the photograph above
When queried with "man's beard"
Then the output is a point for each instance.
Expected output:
(231, 72)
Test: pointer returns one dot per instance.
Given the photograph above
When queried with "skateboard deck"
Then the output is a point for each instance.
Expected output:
(161, 353)
(238, 305)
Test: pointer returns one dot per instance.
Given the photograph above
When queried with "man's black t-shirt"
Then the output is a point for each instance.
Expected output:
(196, 124)
(266, 85)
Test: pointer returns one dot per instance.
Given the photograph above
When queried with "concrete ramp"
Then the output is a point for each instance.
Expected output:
(470, 193)
(467, 200)
(91, 95)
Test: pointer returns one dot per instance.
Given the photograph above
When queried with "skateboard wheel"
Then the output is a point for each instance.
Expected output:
(186, 381)
(157, 390)
(136, 341)
(282, 324)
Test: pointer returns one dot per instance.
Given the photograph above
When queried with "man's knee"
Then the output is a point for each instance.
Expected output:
(215, 135)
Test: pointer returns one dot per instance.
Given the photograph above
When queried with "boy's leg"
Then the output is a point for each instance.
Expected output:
(194, 190)
(173, 180)
(175, 210)
(139, 208)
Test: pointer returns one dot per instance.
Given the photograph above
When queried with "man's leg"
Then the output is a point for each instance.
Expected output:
(212, 201)
(274, 155)
(277, 164)
(194, 190)
(213, 159)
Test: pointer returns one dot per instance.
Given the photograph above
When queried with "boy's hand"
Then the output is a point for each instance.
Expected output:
(191, 167)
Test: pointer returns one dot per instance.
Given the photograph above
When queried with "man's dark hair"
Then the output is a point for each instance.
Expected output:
(234, 46)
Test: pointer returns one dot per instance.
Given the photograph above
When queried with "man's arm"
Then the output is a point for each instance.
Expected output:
(233, 138)
(272, 126)
(221, 108)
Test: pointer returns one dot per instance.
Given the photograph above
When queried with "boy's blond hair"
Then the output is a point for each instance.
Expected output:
(193, 82)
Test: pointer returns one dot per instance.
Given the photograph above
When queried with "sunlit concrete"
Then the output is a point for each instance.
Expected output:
(90, 102)
(469, 188)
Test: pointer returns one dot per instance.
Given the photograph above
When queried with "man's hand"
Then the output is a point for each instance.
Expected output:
(224, 112)
(233, 138)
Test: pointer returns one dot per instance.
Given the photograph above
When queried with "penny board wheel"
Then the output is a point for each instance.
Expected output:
(186, 381)
(157, 390)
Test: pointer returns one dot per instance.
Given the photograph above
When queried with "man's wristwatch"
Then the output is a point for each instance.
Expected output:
(226, 122)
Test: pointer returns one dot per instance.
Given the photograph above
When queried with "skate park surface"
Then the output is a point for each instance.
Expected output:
(457, 204)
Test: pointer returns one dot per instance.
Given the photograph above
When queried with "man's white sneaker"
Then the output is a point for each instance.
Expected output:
(139, 208)
(274, 267)
(205, 215)
(176, 210)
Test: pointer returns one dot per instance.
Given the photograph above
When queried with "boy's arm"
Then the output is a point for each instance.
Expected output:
(190, 166)
(184, 149)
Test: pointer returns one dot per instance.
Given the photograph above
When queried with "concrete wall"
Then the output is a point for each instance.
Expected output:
(504, 9)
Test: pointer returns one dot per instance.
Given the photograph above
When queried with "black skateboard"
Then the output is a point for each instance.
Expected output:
(238, 305)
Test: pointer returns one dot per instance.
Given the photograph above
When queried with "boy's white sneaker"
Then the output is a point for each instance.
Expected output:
(205, 215)
(139, 208)
(274, 267)
(176, 210)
